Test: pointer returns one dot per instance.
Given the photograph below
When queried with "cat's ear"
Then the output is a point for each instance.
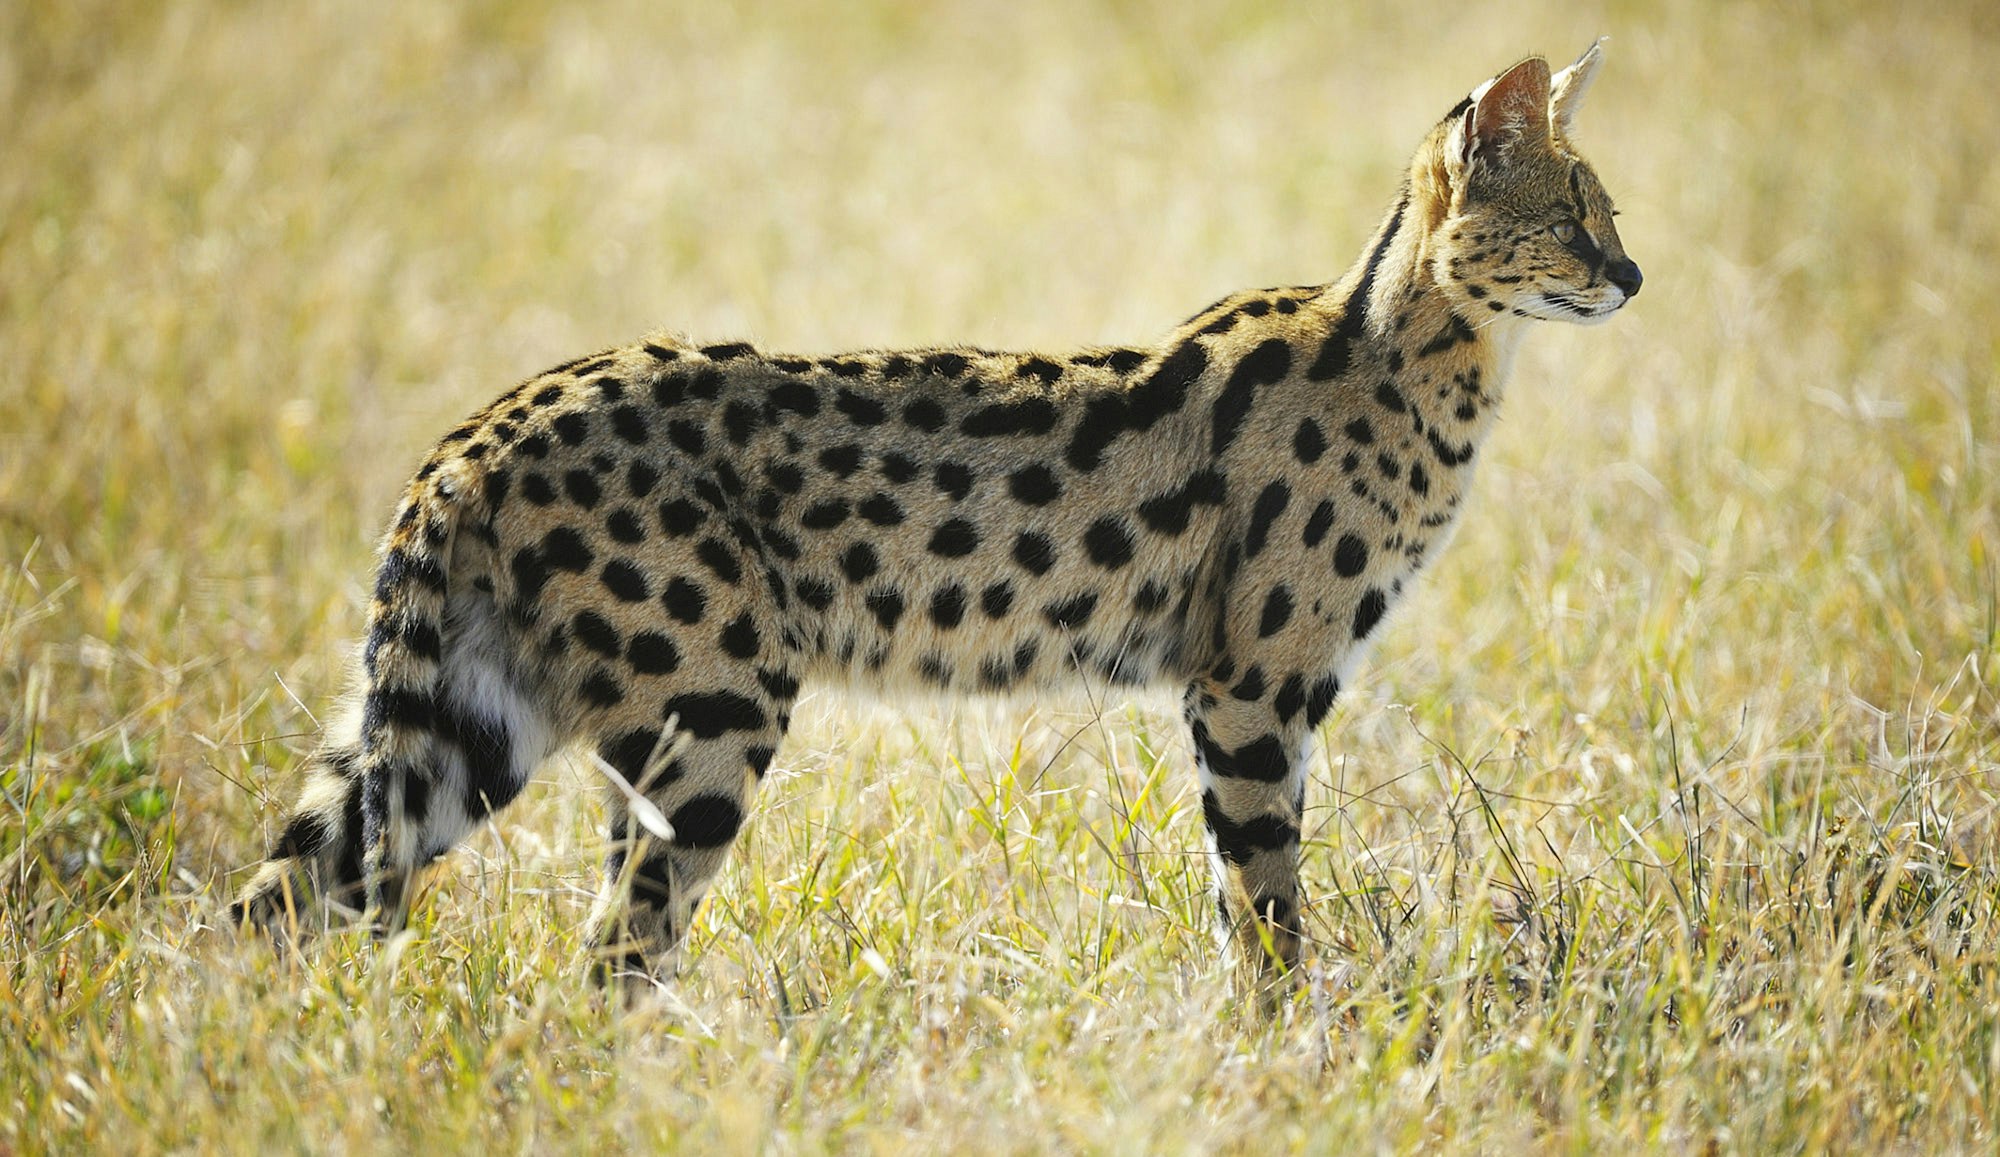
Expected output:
(1510, 110)
(1566, 89)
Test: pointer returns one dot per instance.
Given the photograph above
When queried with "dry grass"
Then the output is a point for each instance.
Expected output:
(1664, 818)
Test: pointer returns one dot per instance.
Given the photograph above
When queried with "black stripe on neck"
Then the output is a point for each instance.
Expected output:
(1337, 353)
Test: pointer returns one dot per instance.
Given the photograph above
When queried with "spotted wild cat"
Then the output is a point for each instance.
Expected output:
(649, 551)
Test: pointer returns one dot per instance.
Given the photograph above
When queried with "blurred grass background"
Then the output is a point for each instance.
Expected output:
(1663, 817)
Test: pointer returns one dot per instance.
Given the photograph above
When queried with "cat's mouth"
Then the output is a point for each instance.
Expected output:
(1585, 307)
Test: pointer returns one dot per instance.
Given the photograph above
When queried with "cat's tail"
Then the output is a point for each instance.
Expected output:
(356, 831)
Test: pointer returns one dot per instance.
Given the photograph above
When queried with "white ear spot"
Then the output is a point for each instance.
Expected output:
(1567, 87)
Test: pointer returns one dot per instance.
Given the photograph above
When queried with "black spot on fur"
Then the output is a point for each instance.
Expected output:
(493, 488)
(582, 488)
(530, 574)
(997, 599)
(1290, 698)
(1268, 363)
(860, 562)
(1454, 332)
(400, 566)
(1103, 420)
(564, 549)
(825, 515)
(710, 820)
(1448, 455)
(1308, 442)
(669, 390)
(1031, 416)
(1262, 759)
(625, 581)
(596, 632)
(629, 752)
(399, 708)
(786, 477)
(1120, 361)
(948, 606)
(1164, 392)
(1317, 525)
(739, 421)
(420, 638)
(781, 686)
(861, 411)
(706, 715)
(681, 517)
(602, 689)
(1350, 556)
(924, 414)
(948, 365)
(1373, 605)
(1071, 613)
(954, 478)
(629, 423)
(1108, 542)
(1239, 842)
(881, 510)
(1271, 503)
(623, 525)
(1320, 700)
(1042, 368)
(955, 538)
(1277, 611)
(887, 607)
(739, 639)
(841, 461)
(718, 558)
(795, 397)
(689, 436)
(652, 653)
(537, 489)
(1036, 552)
(1034, 485)
(816, 593)
(1169, 513)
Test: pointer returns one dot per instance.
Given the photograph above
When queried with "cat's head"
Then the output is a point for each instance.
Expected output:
(1521, 225)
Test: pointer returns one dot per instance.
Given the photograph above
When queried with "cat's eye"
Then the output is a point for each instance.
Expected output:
(1564, 231)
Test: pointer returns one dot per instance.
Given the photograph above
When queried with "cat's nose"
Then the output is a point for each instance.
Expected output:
(1624, 273)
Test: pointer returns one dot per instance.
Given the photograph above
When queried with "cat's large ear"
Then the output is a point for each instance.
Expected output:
(1568, 86)
(1510, 110)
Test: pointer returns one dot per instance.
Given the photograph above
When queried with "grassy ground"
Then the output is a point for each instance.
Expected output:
(1664, 817)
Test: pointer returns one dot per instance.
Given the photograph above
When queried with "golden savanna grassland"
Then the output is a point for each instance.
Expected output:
(1663, 817)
